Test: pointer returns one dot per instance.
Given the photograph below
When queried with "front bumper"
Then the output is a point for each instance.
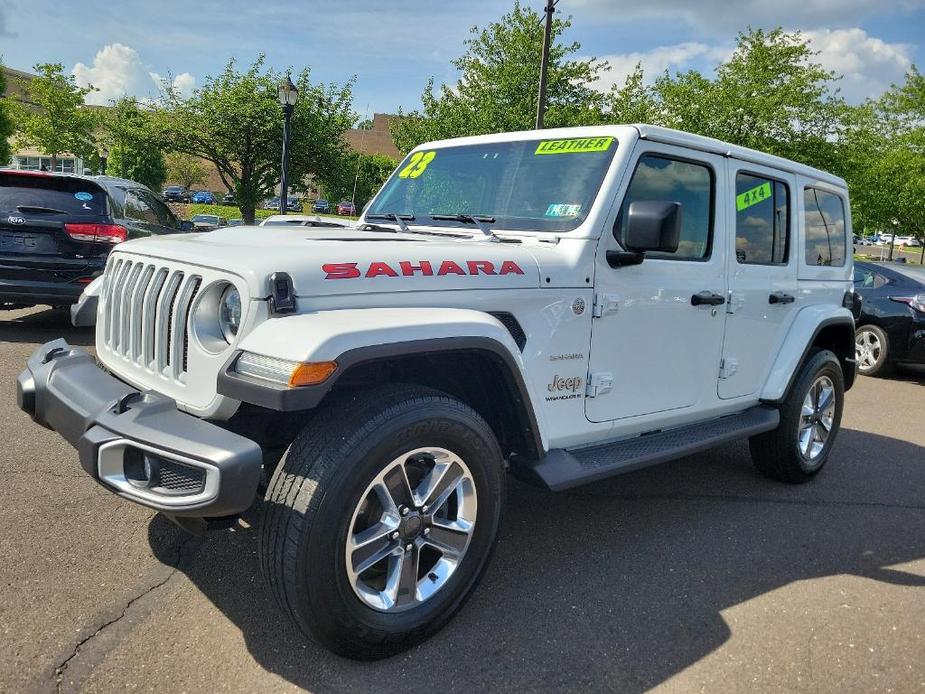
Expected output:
(138, 445)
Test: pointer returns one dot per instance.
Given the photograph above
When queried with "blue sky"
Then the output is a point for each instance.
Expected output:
(393, 47)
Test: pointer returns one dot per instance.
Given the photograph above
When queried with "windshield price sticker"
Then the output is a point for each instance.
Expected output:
(563, 210)
(753, 196)
(576, 146)
(417, 164)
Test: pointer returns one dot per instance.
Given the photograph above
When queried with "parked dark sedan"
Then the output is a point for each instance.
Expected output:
(175, 194)
(891, 324)
(56, 231)
(321, 205)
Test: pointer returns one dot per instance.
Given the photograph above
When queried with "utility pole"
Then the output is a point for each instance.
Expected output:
(544, 65)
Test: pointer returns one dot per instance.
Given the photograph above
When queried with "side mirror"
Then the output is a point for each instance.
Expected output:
(186, 225)
(653, 225)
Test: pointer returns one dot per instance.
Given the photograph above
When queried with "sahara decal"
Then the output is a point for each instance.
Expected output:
(424, 268)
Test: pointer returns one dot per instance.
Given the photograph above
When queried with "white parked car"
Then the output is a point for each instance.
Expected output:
(909, 241)
(566, 305)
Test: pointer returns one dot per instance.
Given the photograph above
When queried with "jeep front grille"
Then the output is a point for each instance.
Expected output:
(146, 316)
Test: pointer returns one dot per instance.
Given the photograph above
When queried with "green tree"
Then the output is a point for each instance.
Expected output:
(365, 171)
(771, 95)
(6, 121)
(55, 119)
(497, 87)
(235, 122)
(134, 146)
(882, 151)
(185, 169)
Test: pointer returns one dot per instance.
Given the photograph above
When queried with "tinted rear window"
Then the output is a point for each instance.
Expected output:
(72, 196)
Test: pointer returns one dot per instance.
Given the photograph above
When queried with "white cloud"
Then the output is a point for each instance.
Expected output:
(184, 83)
(655, 61)
(868, 64)
(118, 71)
(723, 16)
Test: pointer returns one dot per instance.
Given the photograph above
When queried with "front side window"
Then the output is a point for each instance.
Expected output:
(673, 180)
(825, 228)
(762, 220)
(531, 185)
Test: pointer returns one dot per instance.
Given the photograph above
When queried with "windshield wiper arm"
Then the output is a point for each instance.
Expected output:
(399, 219)
(480, 220)
(39, 208)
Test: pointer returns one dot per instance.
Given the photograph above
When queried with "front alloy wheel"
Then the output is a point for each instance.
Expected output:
(411, 529)
(380, 520)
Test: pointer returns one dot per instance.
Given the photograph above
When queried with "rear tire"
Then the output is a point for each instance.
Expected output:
(810, 418)
(872, 347)
(337, 486)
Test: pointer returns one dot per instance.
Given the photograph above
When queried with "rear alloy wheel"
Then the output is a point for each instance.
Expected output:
(810, 417)
(871, 347)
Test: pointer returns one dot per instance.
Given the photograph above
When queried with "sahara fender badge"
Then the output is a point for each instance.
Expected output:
(578, 306)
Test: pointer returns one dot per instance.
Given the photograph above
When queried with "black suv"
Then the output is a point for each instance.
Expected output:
(56, 231)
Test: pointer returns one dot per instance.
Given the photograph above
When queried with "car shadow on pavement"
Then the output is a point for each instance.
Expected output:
(619, 585)
(41, 324)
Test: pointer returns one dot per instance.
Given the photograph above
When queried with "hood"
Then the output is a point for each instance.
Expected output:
(328, 261)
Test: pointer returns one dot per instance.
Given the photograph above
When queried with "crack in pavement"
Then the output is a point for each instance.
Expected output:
(61, 668)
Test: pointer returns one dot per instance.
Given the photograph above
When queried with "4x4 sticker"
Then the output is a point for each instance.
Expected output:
(417, 164)
(407, 268)
(577, 146)
(753, 196)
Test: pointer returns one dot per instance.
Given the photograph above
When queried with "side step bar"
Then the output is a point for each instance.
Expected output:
(562, 469)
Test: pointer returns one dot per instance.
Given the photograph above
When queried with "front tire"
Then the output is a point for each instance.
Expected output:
(381, 518)
(810, 418)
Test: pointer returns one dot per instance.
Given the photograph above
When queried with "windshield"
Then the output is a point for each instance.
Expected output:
(530, 185)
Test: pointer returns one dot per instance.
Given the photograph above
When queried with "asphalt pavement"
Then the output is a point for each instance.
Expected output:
(697, 575)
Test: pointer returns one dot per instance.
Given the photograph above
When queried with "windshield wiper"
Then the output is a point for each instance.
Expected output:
(399, 219)
(480, 220)
(39, 208)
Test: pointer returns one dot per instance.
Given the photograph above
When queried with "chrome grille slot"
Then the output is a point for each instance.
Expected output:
(149, 313)
(178, 325)
(146, 316)
(137, 318)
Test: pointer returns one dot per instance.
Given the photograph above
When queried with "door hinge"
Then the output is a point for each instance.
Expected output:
(604, 304)
(599, 383)
(728, 366)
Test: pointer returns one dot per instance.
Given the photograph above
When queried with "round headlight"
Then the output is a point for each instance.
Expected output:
(229, 313)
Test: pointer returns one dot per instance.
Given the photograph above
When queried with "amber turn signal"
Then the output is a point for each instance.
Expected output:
(312, 373)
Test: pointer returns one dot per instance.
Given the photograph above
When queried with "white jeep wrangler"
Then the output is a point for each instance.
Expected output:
(565, 305)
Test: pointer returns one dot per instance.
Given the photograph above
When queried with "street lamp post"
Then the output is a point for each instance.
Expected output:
(288, 95)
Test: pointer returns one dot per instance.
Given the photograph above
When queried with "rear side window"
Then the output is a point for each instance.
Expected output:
(32, 194)
(825, 228)
(762, 220)
(138, 208)
(674, 180)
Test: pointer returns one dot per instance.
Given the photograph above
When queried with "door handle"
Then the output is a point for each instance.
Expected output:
(707, 299)
(780, 298)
